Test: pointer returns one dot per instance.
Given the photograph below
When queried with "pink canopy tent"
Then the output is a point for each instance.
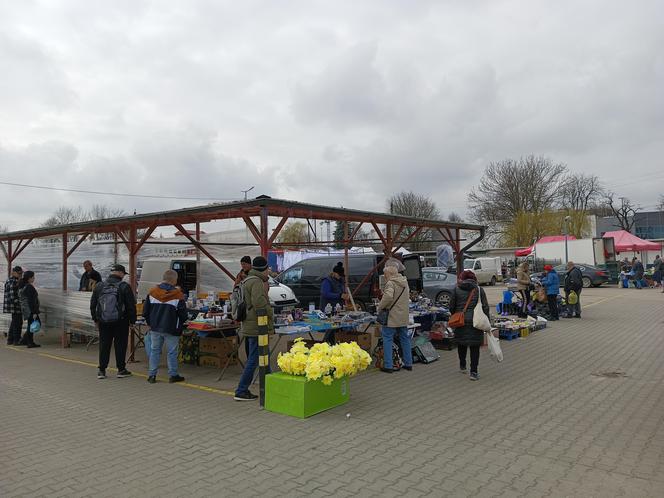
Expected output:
(547, 238)
(626, 242)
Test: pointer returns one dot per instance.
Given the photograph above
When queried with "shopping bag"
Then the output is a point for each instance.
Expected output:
(573, 298)
(480, 320)
(493, 343)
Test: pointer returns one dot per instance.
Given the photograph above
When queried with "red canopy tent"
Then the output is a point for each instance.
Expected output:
(547, 238)
(626, 242)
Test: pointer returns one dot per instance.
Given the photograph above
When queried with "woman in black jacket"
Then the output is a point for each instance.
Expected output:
(29, 306)
(468, 336)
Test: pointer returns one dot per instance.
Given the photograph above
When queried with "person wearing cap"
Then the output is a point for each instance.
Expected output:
(116, 332)
(468, 337)
(255, 298)
(245, 263)
(12, 305)
(90, 277)
(551, 283)
(332, 288)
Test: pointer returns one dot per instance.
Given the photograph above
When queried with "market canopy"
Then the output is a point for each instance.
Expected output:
(547, 238)
(626, 242)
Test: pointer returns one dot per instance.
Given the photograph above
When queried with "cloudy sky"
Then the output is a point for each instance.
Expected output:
(340, 103)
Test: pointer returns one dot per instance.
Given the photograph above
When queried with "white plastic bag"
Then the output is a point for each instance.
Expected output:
(493, 343)
(480, 320)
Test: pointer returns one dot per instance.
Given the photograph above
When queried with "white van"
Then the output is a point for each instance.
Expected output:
(487, 270)
(212, 279)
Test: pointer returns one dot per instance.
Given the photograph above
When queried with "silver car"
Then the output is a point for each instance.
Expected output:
(439, 285)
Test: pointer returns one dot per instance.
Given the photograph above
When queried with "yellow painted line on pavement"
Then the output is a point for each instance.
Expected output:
(94, 365)
(604, 300)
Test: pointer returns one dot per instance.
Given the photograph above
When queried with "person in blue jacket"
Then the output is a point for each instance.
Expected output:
(551, 283)
(332, 288)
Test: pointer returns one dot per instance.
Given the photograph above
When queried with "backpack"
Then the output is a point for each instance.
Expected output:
(238, 303)
(110, 308)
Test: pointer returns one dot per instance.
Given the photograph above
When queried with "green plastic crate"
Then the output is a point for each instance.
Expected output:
(294, 395)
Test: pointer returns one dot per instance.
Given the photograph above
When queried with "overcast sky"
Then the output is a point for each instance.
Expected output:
(339, 103)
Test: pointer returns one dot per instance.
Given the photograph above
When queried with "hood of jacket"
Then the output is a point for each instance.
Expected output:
(399, 281)
(467, 285)
(259, 274)
(166, 292)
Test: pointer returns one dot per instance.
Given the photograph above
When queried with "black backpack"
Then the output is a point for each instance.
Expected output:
(110, 308)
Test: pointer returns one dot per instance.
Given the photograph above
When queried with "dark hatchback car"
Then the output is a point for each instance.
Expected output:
(592, 276)
(305, 278)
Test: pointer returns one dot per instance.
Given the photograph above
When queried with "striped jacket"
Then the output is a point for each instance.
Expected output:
(165, 310)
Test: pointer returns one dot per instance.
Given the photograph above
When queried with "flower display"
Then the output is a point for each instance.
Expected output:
(323, 361)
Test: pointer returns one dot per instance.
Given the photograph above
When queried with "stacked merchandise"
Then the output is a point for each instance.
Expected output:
(214, 351)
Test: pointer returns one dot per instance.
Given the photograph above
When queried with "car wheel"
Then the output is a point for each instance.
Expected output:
(493, 281)
(587, 282)
(443, 299)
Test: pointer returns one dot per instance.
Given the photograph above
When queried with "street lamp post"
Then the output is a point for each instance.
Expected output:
(567, 218)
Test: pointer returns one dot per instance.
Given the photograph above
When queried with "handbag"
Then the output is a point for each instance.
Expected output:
(480, 320)
(458, 319)
(384, 314)
(493, 343)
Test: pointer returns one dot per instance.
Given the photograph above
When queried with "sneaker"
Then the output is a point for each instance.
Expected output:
(577, 316)
(175, 378)
(10, 343)
(101, 374)
(387, 370)
(407, 368)
(463, 370)
(33, 345)
(152, 379)
(245, 397)
(123, 373)
(474, 376)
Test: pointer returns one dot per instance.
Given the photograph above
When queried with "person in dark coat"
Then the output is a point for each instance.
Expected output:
(116, 332)
(29, 298)
(332, 288)
(468, 337)
(573, 282)
(90, 277)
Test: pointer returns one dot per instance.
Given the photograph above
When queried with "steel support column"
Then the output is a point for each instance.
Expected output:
(65, 259)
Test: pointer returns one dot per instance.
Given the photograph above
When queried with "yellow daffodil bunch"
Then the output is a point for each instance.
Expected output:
(323, 361)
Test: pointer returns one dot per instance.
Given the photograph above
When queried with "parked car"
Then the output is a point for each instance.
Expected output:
(591, 275)
(305, 278)
(438, 285)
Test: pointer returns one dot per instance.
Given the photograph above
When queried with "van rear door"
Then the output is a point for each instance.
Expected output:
(413, 271)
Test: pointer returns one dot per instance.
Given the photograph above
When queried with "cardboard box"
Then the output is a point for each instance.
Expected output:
(216, 361)
(294, 395)
(217, 345)
(363, 339)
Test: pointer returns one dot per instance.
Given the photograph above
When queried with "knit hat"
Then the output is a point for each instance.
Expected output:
(339, 269)
(259, 264)
(467, 275)
(548, 267)
(245, 259)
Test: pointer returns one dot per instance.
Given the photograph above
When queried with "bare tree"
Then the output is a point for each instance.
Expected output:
(454, 218)
(660, 205)
(513, 186)
(65, 216)
(417, 206)
(103, 212)
(580, 192)
(624, 212)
